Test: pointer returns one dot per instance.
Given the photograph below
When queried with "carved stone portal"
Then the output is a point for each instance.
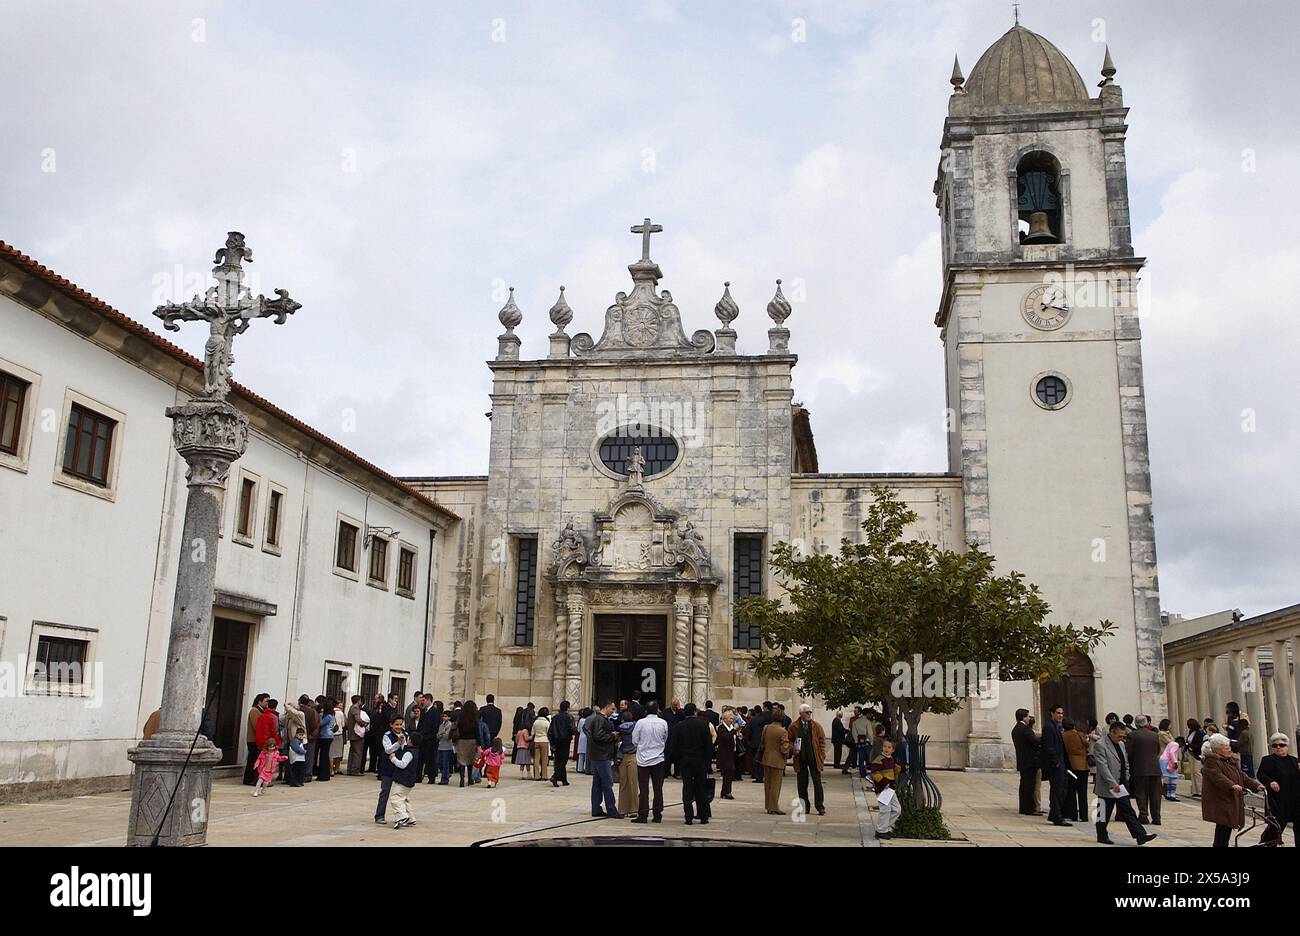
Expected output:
(639, 555)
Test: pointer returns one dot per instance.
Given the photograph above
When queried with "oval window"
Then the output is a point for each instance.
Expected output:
(658, 448)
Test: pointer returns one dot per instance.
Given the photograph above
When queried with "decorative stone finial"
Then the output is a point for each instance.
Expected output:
(510, 316)
(958, 79)
(779, 308)
(1107, 70)
(560, 313)
(726, 310)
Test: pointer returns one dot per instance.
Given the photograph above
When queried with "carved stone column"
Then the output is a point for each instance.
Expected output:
(1252, 701)
(681, 678)
(173, 771)
(1286, 708)
(577, 606)
(700, 650)
(559, 666)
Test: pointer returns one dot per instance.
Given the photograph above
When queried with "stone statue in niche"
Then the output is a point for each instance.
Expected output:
(636, 468)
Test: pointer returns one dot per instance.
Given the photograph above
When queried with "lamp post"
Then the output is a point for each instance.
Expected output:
(173, 769)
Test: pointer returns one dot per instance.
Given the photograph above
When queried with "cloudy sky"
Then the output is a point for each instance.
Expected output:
(395, 166)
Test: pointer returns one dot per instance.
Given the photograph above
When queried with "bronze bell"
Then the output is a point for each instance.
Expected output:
(1040, 230)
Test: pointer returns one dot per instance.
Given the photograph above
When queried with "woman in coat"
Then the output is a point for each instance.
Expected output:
(725, 747)
(467, 740)
(541, 743)
(1192, 754)
(1076, 753)
(1279, 772)
(1222, 789)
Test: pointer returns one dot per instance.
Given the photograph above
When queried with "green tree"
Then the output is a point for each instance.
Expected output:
(848, 622)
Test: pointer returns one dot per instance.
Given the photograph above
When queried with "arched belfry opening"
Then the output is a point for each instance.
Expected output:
(1038, 199)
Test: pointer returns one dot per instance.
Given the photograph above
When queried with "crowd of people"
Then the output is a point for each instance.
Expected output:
(628, 744)
(1137, 763)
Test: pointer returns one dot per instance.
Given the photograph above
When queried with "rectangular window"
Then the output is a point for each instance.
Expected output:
(746, 581)
(273, 509)
(397, 686)
(86, 451)
(379, 560)
(345, 556)
(369, 686)
(525, 590)
(406, 571)
(336, 681)
(247, 502)
(63, 659)
(13, 394)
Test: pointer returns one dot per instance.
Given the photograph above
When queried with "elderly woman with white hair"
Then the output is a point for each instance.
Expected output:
(1223, 786)
(1279, 771)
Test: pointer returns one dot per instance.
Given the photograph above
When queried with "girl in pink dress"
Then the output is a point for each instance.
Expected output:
(265, 766)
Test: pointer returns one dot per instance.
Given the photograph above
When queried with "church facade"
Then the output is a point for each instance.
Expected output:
(637, 480)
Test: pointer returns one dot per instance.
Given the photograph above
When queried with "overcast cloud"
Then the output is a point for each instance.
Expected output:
(394, 167)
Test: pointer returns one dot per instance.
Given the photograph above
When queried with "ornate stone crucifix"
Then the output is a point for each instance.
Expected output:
(173, 770)
(228, 308)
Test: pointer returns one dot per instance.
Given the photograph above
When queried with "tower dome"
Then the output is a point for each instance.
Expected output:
(1024, 68)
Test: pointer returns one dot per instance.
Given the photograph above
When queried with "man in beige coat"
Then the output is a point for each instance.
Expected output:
(771, 754)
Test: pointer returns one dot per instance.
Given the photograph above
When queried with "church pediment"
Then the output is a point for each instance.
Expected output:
(645, 322)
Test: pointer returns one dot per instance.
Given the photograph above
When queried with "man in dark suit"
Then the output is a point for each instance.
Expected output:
(1051, 754)
(754, 740)
(712, 716)
(1143, 748)
(690, 745)
(1026, 744)
(491, 716)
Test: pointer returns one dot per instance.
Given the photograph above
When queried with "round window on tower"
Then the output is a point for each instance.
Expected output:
(1051, 390)
(659, 450)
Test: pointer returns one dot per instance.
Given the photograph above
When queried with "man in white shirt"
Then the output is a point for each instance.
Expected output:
(650, 735)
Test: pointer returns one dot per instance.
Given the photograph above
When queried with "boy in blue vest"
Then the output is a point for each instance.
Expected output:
(404, 769)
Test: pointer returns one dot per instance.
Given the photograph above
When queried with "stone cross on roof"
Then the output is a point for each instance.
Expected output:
(228, 308)
(645, 229)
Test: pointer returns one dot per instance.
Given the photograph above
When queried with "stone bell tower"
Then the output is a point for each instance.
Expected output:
(1047, 417)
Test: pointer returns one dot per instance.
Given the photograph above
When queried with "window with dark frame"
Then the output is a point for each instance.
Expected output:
(13, 394)
(87, 448)
(369, 687)
(60, 657)
(334, 680)
(1051, 391)
(346, 555)
(746, 581)
(525, 590)
(397, 686)
(406, 570)
(247, 488)
(273, 518)
(379, 560)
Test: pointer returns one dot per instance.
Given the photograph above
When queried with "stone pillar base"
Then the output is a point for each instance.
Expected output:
(158, 765)
(990, 753)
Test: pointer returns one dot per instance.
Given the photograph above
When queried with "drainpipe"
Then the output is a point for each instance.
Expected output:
(428, 596)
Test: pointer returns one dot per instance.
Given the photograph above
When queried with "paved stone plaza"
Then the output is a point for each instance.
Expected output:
(979, 807)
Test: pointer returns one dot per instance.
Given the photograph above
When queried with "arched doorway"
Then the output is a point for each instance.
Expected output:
(1076, 690)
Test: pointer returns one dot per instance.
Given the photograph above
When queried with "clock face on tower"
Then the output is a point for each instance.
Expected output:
(1044, 307)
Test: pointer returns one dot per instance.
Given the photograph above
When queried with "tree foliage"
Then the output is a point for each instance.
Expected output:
(847, 620)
